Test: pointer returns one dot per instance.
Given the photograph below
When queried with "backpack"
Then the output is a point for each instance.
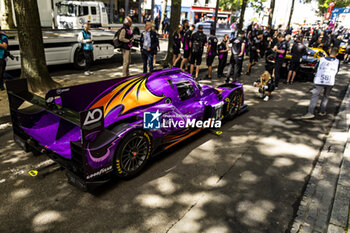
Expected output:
(116, 41)
(197, 44)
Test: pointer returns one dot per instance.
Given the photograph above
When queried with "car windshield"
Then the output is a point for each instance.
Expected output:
(66, 9)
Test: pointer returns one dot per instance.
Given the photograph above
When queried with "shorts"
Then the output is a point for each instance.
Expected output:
(294, 65)
(210, 60)
(196, 58)
(187, 53)
(176, 50)
(254, 57)
(347, 51)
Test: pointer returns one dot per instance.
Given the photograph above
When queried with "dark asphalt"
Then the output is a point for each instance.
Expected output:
(249, 179)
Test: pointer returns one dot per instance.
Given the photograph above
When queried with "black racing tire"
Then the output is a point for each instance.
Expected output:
(79, 59)
(132, 154)
(234, 104)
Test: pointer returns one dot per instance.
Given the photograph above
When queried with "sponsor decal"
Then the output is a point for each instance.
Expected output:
(93, 116)
(50, 100)
(153, 120)
(149, 143)
(100, 172)
(119, 169)
(60, 91)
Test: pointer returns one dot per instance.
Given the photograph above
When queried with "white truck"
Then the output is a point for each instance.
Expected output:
(62, 48)
(73, 14)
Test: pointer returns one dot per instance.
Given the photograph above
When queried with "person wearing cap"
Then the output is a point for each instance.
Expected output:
(254, 50)
(237, 53)
(85, 38)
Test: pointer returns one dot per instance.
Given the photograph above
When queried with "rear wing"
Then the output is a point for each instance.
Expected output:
(80, 170)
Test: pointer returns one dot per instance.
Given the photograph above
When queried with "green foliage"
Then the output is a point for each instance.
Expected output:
(234, 5)
(323, 5)
(257, 5)
(230, 5)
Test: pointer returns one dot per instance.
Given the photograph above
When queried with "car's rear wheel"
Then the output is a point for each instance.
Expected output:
(132, 154)
(234, 104)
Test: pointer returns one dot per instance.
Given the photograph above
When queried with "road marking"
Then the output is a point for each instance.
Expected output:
(33, 172)
(218, 132)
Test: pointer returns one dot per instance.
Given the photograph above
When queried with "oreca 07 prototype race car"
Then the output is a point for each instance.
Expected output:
(99, 129)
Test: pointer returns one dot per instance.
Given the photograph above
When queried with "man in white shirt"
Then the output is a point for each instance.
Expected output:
(327, 69)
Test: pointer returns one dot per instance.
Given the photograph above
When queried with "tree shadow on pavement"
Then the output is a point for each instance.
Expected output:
(249, 179)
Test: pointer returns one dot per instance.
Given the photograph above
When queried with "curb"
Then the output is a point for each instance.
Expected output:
(315, 208)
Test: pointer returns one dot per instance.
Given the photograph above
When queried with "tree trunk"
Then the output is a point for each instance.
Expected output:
(291, 14)
(175, 15)
(7, 21)
(241, 17)
(271, 11)
(31, 44)
(164, 6)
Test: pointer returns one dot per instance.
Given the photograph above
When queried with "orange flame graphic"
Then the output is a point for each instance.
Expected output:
(131, 94)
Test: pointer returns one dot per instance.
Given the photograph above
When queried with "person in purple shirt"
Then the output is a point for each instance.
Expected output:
(186, 47)
(177, 45)
(223, 51)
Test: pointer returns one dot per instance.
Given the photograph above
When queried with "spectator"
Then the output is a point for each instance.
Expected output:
(265, 84)
(185, 27)
(148, 43)
(327, 69)
(280, 49)
(211, 51)
(347, 51)
(156, 22)
(3, 48)
(165, 24)
(177, 45)
(187, 47)
(298, 51)
(223, 51)
(85, 38)
(236, 61)
(198, 40)
(126, 38)
(254, 51)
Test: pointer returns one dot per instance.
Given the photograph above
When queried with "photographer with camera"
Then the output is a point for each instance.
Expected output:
(3, 52)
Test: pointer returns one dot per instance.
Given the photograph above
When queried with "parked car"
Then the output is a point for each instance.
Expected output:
(111, 127)
(307, 65)
(208, 24)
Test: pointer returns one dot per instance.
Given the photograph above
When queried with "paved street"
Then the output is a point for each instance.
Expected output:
(249, 179)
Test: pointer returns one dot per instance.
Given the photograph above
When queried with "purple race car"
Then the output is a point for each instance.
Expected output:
(114, 126)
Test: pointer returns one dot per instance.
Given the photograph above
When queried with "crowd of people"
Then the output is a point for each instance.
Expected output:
(255, 41)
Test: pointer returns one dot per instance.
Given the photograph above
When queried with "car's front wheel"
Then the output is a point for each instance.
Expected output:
(234, 104)
(132, 154)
